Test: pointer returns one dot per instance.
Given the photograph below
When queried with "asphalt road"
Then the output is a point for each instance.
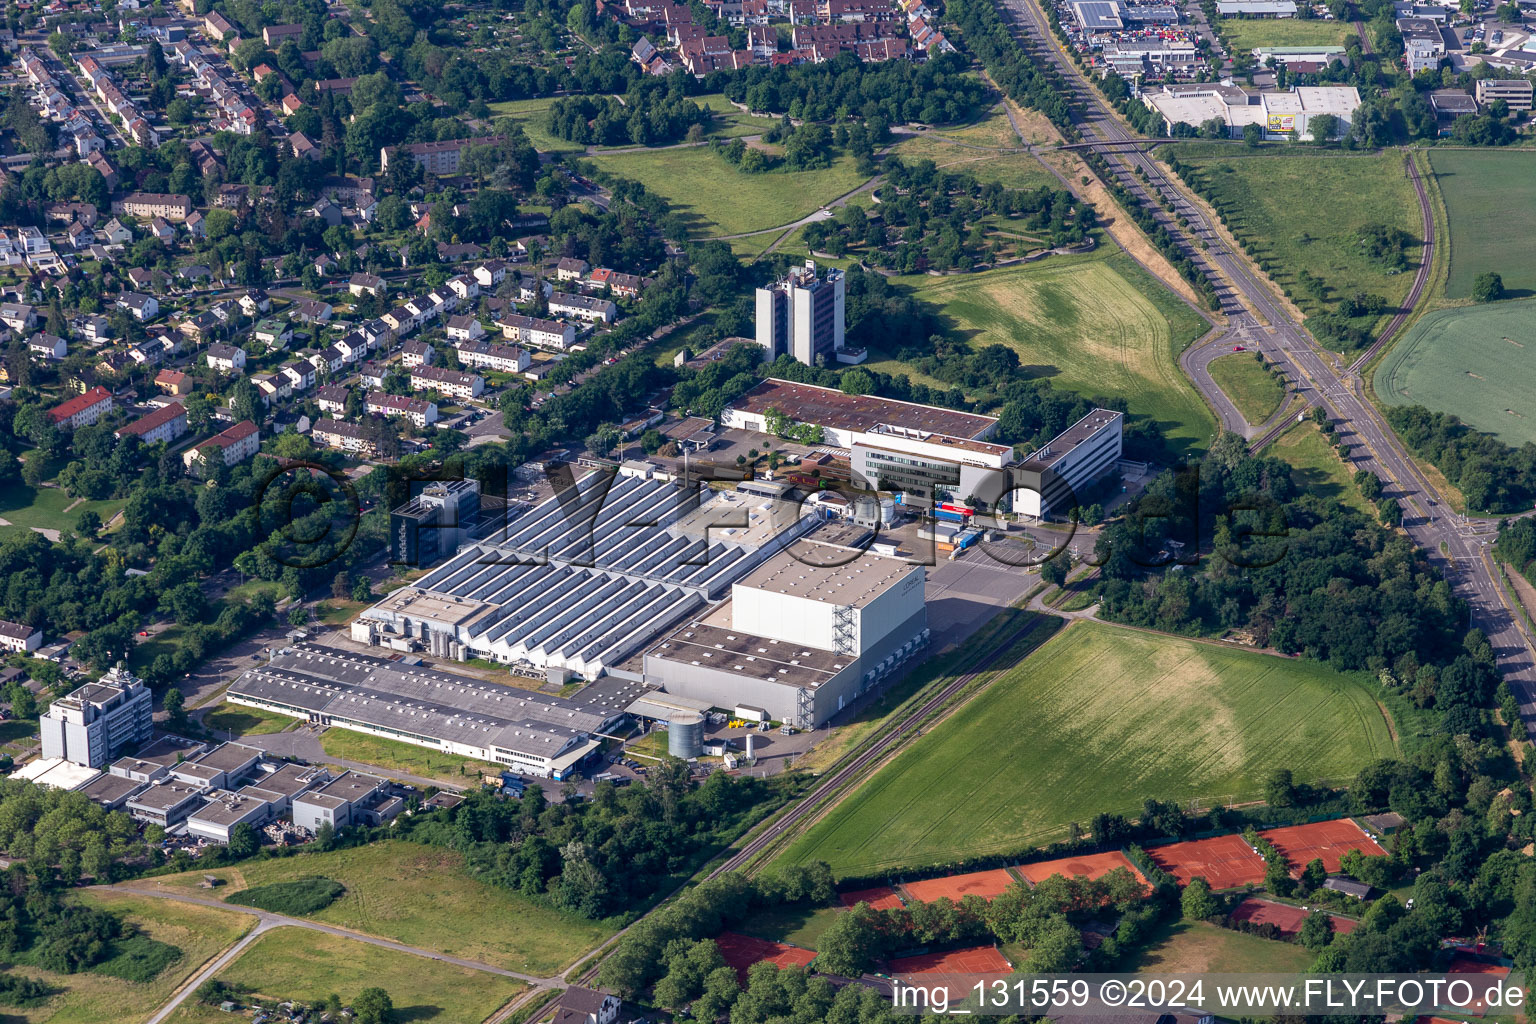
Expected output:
(1455, 544)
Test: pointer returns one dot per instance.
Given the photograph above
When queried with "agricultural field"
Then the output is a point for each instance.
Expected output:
(1317, 469)
(407, 758)
(296, 963)
(1245, 380)
(1490, 201)
(719, 199)
(421, 896)
(1478, 362)
(1303, 210)
(1097, 325)
(1115, 716)
(236, 721)
(1245, 33)
(92, 997)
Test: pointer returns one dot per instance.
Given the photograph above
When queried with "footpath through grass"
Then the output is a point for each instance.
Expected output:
(296, 963)
(1098, 325)
(200, 933)
(1249, 384)
(1099, 719)
(1490, 200)
(422, 896)
(718, 198)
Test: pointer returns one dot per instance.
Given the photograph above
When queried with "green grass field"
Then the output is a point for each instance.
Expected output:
(791, 922)
(1490, 200)
(89, 998)
(1097, 325)
(1246, 33)
(1317, 469)
(422, 896)
(395, 756)
(1304, 210)
(1478, 362)
(1255, 393)
(243, 721)
(1185, 947)
(721, 200)
(23, 508)
(296, 963)
(1098, 719)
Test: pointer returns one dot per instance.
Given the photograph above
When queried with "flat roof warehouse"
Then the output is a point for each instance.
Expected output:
(828, 407)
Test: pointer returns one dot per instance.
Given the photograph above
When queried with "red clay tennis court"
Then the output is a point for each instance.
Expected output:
(1329, 840)
(1283, 916)
(1225, 861)
(881, 897)
(985, 884)
(976, 960)
(1089, 865)
(1463, 964)
(742, 951)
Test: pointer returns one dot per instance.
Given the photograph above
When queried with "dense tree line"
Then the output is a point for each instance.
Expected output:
(1303, 575)
(1029, 82)
(650, 114)
(935, 91)
(1492, 476)
(1516, 546)
(607, 856)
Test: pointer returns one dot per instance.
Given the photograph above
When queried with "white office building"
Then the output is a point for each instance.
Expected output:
(802, 316)
(98, 721)
(1050, 479)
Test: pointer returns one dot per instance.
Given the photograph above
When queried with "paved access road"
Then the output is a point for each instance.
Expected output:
(1456, 544)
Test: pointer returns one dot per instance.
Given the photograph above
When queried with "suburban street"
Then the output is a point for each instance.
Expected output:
(1256, 319)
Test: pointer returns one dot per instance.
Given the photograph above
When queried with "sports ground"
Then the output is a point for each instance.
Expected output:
(1110, 716)
(881, 897)
(1284, 916)
(1490, 200)
(976, 960)
(1225, 861)
(986, 884)
(1087, 865)
(742, 951)
(1478, 362)
(1327, 841)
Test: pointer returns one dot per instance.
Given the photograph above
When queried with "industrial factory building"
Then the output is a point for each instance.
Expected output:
(532, 733)
(1051, 479)
(798, 640)
(585, 579)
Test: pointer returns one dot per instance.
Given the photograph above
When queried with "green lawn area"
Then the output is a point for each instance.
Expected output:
(1304, 210)
(1478, 362)
(23, 508)
(422, 896)
(1490, 201)
(1197, 948)
(296, 963)
(718, 199)
(1317, 469)
(530, 114)
(1245, 380)
(791, 922)
(244, 721)
(393, 755)
(90, 998)
(19, 732)
(993, 130)
(1246, 33)
(1097, 325)
(1113, 716)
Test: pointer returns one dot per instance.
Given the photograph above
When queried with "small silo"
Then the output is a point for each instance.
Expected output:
(685, 735)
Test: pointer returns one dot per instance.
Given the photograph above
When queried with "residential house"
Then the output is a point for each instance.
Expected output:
(447, 382)
(346, 437)
(464, 328)
(143, 307)
(18, 316)
(583, 307)
(229, 448)
(571, 269)
(273, 333)
(226, 358)
(332, 399)
(300, 374)
(313, 311)
(47, 346)
(418, 410)
(416, 353)
(369, 283)
(529, 330)
(154, 204)
(493, 356)
(166, 423)
(173, 382)
(114, 233)
(82, 410)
